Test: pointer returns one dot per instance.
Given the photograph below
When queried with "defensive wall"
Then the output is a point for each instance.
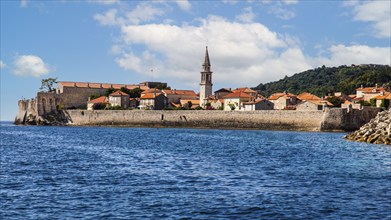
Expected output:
(328, 120)
(33, 111)
(49, 102)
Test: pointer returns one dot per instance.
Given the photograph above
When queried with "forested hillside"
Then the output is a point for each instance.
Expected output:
(323, 80)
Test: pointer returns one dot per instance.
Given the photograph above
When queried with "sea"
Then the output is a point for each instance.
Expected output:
(170, 173)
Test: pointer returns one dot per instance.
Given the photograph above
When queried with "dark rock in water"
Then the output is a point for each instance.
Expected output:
(52, 119)
(377, 131)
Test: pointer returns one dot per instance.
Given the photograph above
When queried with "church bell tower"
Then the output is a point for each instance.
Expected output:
(206, 80)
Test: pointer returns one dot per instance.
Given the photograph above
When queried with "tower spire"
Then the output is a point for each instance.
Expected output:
(206, 64)
(206, 80)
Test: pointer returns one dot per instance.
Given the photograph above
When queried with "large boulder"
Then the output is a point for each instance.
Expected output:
(377, 131)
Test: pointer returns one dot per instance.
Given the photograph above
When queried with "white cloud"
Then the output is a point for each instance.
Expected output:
(116, 49)
(247, 15)
(30, 65)
(356, 54)
(249, 51)
(23, 3)
(107, 19)
(143, 12)
(290, 2)
(240, 49)
(231, 2)
(130, 62)
(378, 13)
(2, 64)
(104, 2)
(281, 11)
(184, 4)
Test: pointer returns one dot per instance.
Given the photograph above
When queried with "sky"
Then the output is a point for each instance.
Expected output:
(118, 41)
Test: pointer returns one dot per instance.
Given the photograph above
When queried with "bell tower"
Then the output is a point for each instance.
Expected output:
(206, 80)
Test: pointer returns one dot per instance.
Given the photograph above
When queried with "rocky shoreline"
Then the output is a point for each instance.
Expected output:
(376, 131)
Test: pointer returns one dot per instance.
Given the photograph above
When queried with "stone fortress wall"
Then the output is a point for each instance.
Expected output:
(78, 97)
(328, 120)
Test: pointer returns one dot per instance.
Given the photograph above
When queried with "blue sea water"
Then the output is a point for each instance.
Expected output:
(142, 173)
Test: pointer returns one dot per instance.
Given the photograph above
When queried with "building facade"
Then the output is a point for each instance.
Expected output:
(119, 98)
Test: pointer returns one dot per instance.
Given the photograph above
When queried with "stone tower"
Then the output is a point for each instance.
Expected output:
(206, 80)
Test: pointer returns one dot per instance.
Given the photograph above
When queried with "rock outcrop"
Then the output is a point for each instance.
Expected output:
(377, 131)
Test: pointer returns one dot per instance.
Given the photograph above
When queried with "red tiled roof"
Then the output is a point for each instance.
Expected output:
(150, 95)
(99, 85)
(385, 96)
(244, 89)
(237, 95)
(347, 102)
(307, 96)
(276, 96)
(102, 99)
(371, 89)
(194, 102)
(151, 91)
(142, 87)
(179, 92)
(118, 93)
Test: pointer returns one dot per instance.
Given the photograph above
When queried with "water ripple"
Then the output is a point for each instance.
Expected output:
(135, 173)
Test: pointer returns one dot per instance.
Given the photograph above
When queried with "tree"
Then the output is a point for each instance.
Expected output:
(109, 91)
(372, 102)
(385, 103)
(162, 86)
(336, 101)
(135, 93)
(47, 85)
(92, 97)
(125, 90)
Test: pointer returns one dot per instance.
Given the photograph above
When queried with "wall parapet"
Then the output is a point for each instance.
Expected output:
(328, 120)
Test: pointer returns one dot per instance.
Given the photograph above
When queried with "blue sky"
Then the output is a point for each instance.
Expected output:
(133, 41)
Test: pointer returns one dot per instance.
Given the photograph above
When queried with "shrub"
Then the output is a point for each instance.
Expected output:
(99, 106)
(60, 107)
(385, 103)
(336, 101)
(117, 107)
(94, 96)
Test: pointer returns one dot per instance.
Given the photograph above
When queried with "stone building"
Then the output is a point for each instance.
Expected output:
(246, 90)
(153, 101)
(383, 100)
(102, 102)
(68, 95)
(206, 80)
(175, 95)
(234, 101)
(283, 100)
(76, 94)
(311, 105)
(368, 93)
(119, 98)
(258, 104)
(222, 92)
(307, 96)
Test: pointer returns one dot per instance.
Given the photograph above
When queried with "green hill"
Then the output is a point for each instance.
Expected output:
(324, 80)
